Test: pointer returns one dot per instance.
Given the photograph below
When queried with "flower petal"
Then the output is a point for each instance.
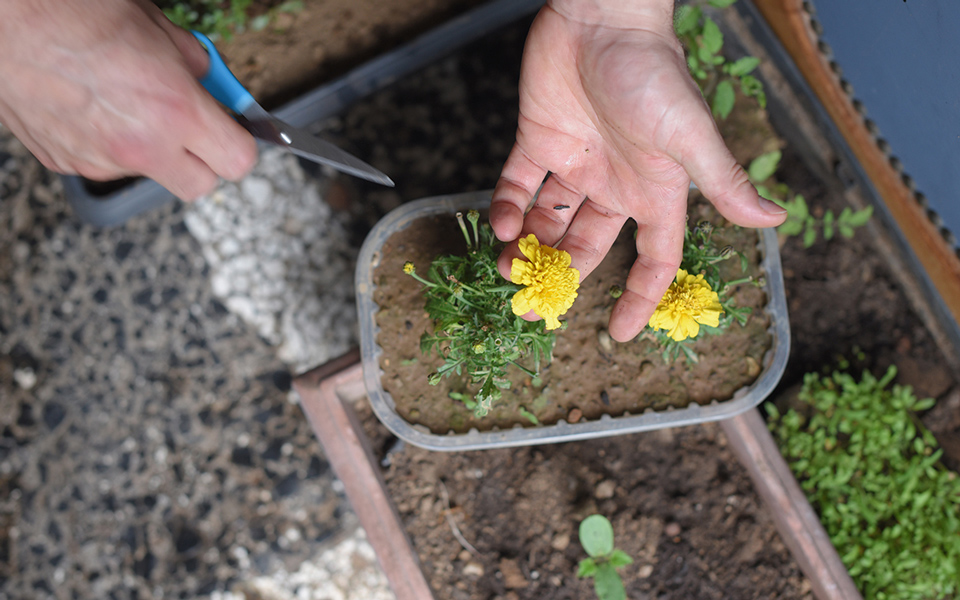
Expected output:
(520, 271)
(530, 247)
(521, 302)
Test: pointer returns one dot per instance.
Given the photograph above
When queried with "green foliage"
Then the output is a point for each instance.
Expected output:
(717, 77)
(596, 537)
(474, 328)
(873, 473)
(800, 221)
(221, 19)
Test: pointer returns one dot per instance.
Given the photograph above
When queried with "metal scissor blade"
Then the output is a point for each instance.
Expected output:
(301, 143)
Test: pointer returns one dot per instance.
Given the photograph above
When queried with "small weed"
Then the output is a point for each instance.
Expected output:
(717, 77)
(799, 218)
(596, 537)
(221, 19)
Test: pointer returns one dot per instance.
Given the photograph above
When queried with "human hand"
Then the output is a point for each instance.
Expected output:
(608, 108)
(109, 88)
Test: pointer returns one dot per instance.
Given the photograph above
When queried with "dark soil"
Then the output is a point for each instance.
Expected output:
(680, 503)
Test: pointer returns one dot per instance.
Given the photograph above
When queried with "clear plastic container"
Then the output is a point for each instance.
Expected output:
(774, 361)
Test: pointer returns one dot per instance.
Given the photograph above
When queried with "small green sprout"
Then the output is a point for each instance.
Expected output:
(717, 77)
(221, 19)
(799, 218)
(596, 537)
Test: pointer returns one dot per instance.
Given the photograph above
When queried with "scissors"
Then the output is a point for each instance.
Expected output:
(225, 87)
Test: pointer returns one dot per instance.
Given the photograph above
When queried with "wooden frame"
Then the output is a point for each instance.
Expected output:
(328, 392)
(793, 25)
(325, 396)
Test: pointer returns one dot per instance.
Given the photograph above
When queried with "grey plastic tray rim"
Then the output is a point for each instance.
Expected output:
(774, 361)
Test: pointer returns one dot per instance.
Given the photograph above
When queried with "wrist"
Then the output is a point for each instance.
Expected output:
(652, 15)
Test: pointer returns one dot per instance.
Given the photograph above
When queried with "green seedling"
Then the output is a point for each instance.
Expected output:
(800, 221)
(596, 537)
(717, 77)
(872, 472)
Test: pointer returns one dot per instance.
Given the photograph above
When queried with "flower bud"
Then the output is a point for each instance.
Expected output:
(408, 268)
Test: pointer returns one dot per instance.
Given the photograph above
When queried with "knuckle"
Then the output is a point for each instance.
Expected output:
(130, 152)
(244, 159)
(201, 185)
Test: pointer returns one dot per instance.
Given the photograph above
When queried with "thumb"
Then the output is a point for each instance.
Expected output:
(194, 56)
(724, 183)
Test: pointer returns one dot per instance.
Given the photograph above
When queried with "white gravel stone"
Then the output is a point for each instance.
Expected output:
(346, 571)
(281, 260)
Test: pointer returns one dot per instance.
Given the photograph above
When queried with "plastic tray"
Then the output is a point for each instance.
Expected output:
(774, 361)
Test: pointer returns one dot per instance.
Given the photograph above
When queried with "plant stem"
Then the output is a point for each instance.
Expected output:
(463, 228)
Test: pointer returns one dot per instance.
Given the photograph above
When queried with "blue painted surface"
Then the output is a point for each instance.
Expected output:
(903, 60)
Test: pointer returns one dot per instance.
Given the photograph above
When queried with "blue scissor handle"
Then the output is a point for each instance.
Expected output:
(221, 83)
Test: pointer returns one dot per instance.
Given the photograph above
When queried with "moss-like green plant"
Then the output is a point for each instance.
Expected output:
(873, 474)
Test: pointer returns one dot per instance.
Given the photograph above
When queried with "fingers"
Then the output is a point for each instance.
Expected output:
(194, 55)
(555, 209)
(518, 183)
(227, 148)
(722, 181)
(224, 146)
(590, 236)
(659, 250)
(188, 179)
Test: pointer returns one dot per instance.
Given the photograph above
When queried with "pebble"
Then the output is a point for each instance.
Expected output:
(753, 367)
(295, 289)
(560, 542)
(605, 489)
(672, 529)
(513, 577)
(473, 569)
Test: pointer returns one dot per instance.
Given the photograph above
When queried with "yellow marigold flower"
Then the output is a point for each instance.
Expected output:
(688, 304)
(551, 283)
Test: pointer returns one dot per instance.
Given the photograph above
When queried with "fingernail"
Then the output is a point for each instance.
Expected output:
(771, 207)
